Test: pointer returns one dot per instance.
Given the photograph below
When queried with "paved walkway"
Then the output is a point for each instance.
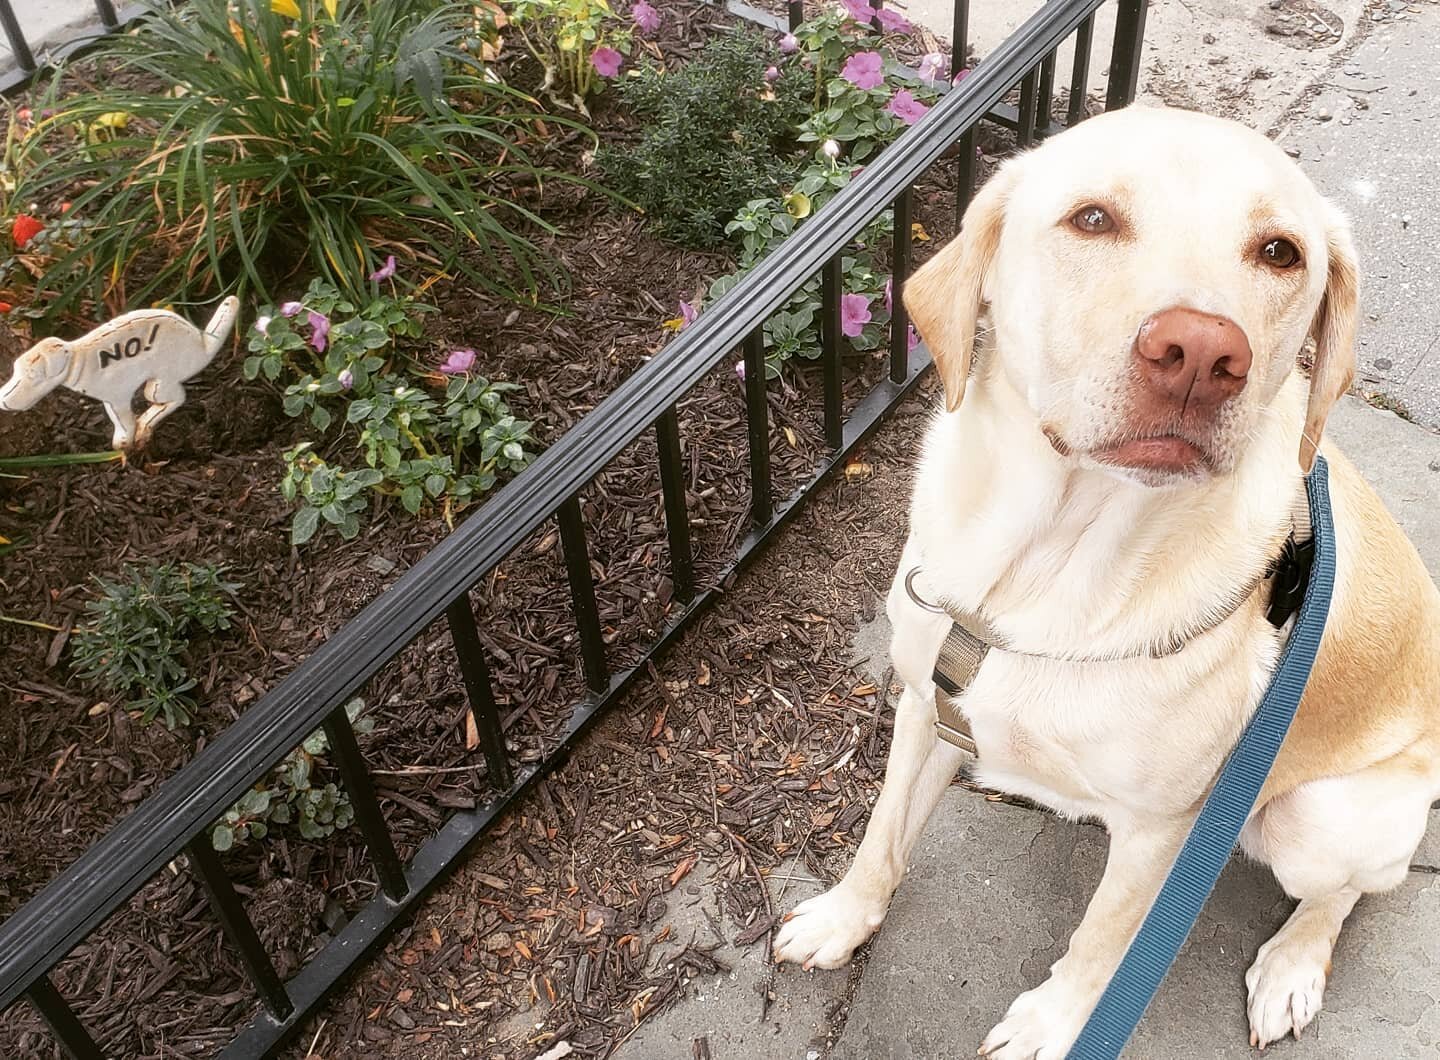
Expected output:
(995, 890)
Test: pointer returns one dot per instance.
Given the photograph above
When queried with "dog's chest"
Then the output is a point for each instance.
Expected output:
(1097, 740)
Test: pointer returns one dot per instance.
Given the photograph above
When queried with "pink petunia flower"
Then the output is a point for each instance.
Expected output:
(893, 21)
(864, 70)
(740, 370)
(789, 44)
(913, 339)
(607, 61)
(854, 314)
(772, 73)
(961, 76)
(931, 65)
(688, 313)
(906, 107)
(319, 330)
(889, 294)
(859, 10)
(384, 272)
(289, 309)
(645, 17)
(262, 325)
(346, 379)
(458, 363)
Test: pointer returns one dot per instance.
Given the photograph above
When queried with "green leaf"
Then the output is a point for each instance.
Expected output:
(307, 520)
(412, 497)
(222, 837)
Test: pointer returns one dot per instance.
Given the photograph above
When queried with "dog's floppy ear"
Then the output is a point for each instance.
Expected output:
(943, 297)
(1334, 333)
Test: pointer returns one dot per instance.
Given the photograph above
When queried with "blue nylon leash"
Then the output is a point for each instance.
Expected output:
(1226, 808)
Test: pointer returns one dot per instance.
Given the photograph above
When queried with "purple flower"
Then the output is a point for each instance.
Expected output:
(913, 339)
(606, 61)
(458, 363)
(854, 314)
(906, 107)
(859, 10)
(346, 379)
(384, 272)
(289, 309)
(931, 65)
(262, 325)
(740, 370)
(889, 294)
(688, 313)
(893, 21)
(646, 18)
(789, 44)
(864, 70)
(772, 73)
(961, 76)
(319, 330)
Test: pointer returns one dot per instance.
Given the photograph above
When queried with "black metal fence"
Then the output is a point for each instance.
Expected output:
(176, 818)
(24, 45)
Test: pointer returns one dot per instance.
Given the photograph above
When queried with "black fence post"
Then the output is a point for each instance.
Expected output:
(582, 595)
(899, 273)
(62, 1021)
(18, 44)
(368, 815)
(1126, 53)
(831, 292)
(1080, 73)
(677, 512)
(106, 10)
(475, 672)
(757, 414)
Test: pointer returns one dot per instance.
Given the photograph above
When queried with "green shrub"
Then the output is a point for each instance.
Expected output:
(135, 644)
(290, 795)
(715, 136)
(293, 135)
(420, 447)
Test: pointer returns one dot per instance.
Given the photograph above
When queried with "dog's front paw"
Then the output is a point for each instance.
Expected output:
(1041, 1024)
(1285, 985)
(822, 932)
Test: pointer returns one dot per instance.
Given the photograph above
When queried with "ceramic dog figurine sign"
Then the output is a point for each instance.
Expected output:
(150, 348)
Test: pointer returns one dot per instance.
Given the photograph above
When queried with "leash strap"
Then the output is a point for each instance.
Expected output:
(1225, 811)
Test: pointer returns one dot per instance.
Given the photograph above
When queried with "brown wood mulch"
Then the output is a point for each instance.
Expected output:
(752, 741)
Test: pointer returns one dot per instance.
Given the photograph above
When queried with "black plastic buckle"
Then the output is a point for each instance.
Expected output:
(1292, 578)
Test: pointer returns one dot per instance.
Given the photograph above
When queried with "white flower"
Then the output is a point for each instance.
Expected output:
(830, 149)
(262, 325)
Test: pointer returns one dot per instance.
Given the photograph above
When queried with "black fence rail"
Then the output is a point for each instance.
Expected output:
(24, 46)
(176, 818)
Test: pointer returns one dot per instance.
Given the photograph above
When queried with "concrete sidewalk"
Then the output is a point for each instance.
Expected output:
(994, 890)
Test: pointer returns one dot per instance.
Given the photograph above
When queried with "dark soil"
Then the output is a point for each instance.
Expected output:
(729, 755)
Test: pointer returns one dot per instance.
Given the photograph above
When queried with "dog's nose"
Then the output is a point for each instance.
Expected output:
(1193, 358)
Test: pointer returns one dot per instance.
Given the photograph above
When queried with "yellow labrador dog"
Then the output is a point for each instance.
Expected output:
(1122, 315)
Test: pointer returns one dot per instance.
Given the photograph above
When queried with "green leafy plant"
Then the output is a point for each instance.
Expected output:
(564, 36)
(290, 795)
(293, 134)
(140, 629)
(716, 135)
(417, 445)
(850, 113)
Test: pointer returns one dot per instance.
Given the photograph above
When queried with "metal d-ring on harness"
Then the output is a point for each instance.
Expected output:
(1303, 580)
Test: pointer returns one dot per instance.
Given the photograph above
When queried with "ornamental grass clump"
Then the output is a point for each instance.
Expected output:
(277, 137)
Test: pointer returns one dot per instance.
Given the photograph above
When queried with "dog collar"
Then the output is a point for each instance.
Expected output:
(971, 636)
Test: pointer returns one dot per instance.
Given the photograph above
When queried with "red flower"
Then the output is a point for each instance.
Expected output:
(24, 229)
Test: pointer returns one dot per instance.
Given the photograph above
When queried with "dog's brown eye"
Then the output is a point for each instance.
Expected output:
(1093, 219)
(1280, 254)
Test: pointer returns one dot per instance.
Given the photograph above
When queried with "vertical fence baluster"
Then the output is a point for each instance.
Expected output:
(1025, 125)
(757, 415)
(582, 595)
(677, 512)
(1125, 55)
(476, 674)
(106, 10)
(959, 37)
(62, 1021)
(831, 290)
(899, 270)
(1044, 111)
(238, 929)
(1080, 73)
(796, 10)
(965, 173)
(368, 815)
(18, 45)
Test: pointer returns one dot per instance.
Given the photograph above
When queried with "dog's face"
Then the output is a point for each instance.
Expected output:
(37, 371)
(1150, 277)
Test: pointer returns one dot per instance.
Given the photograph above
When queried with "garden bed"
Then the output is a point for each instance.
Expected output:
(157, 979)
